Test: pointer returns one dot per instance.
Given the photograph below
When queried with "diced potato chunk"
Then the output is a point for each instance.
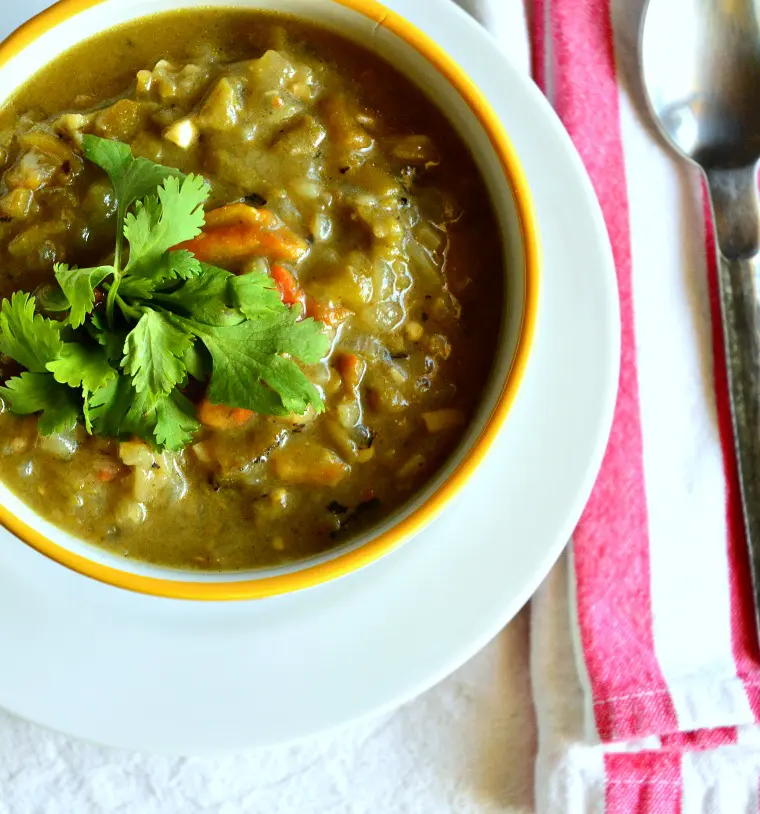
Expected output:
(149, 146)
(72, 126)
(155, 477)
(37, 238)
(309, 464)
(413, 149)
(33, 171)
(303, 139)
(272, 71)
(51, 145)
(364, 456)
(351, 284)
(17, 204)
(221, 108)
(345, 131)
(61, 445)
(441, 420)
(203, 453)
(130, 513)
(121, 120)
(341, 439)
(183, 133)
(136, 453)
(168, 83)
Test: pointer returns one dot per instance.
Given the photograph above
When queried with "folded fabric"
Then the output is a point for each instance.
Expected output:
(713, 771)
(659, 691)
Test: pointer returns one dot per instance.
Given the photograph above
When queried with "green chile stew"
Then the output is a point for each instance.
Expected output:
(339, 202)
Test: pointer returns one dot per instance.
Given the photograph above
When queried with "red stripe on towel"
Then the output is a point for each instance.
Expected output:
(700, 740)
(643, 783)
(611, 546)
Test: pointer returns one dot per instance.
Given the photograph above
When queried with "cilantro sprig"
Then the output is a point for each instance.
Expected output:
(168, 318)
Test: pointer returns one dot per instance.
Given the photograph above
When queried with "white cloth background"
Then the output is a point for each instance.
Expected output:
(466, 747)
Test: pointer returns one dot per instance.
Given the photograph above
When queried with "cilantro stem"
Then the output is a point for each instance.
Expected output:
(118, 252)
(126, 309)
(111, 301)
(120, 215)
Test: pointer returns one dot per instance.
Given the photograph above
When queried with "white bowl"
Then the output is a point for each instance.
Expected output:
(416, 56)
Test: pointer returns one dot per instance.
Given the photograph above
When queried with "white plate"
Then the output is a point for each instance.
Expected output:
(187, 678)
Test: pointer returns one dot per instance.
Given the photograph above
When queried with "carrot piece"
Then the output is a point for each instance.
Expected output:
(351, 369)
(237, 232)
(221, 417)
(287, 285)
(326, 312)
(108, 472)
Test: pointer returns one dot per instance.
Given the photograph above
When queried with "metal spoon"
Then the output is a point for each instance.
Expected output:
(700, 64)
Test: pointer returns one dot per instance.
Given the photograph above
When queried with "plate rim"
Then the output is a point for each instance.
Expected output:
(451, 16)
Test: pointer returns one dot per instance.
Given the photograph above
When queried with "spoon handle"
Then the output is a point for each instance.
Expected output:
(737, 217)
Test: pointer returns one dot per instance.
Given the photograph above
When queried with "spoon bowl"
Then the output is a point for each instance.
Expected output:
(700, 62)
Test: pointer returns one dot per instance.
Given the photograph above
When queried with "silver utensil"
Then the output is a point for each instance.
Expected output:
(700, 65)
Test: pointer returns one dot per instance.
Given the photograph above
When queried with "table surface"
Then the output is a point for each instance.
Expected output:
(466, 746)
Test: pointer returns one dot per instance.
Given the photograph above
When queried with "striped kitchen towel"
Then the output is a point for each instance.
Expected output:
(648, 691)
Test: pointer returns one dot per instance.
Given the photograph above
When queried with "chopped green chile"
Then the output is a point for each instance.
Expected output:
(403, 262)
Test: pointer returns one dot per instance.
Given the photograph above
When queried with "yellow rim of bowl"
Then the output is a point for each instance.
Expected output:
(387, 541)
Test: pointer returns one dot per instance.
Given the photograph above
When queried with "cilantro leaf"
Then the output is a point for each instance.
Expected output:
(112, 341)
(41, 393)
(153, 354)
(132, 178)
(140, 418)
(79, 287)
(216, 297)
(210, 323)
(255, 294)
(180, 264)
(140, 288)
(112, 156)
(303, 339)
(82, 366)
(172, 266)
(118, 410)
(50, 298)
(160, 222)
(197, 362)
(206, 298)
(32, 340)
(175, 422)
(248, 370)
(108, 405)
